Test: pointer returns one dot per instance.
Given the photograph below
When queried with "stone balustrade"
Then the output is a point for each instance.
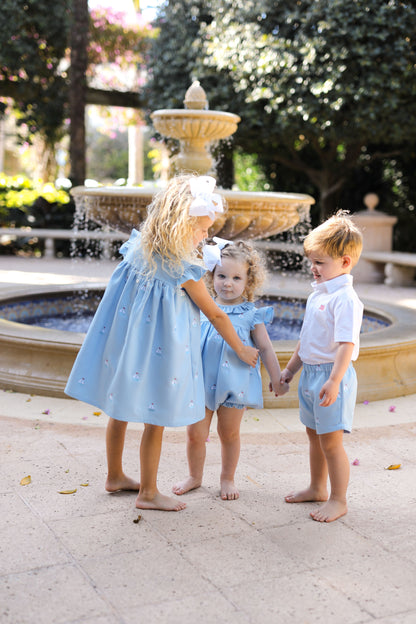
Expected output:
(51, 235)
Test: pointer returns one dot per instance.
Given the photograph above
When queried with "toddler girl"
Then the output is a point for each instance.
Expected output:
(231, 385)
(141, 360)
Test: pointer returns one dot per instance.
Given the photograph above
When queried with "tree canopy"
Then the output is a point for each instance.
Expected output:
(35, 39)
(33, 43)
(321, 85)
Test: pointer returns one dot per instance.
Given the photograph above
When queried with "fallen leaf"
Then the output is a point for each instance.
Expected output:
(47, 411)
(137, 520)
(86, 484)
(67, 491)
(26, 480)
(96, 413)
(27, 400)
(393, 467)
(252, 480)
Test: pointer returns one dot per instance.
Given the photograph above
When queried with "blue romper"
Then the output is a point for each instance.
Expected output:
(140, 360)
(228, 380)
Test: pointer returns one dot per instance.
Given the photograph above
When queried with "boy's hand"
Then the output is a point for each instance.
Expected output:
(329, 393)
(286, 376)
(279, 387)
(249, 355)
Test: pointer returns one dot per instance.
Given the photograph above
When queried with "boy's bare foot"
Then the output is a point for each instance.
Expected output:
(186, 486)
(229, 490)
(159, 501)
(332, 510)
(122, 483)
(306, 496)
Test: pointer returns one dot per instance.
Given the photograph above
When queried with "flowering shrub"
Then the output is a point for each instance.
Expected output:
(21, 198)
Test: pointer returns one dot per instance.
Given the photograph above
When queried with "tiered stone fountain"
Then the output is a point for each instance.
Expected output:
(248, 215)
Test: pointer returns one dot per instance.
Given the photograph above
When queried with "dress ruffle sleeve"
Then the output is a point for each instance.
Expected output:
(263, 315)
(192, 272)
(128, 245)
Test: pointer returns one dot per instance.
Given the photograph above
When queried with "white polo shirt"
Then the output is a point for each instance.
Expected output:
(333, 314)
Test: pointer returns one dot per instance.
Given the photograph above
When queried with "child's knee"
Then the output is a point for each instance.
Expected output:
(332, 442)
(196, 435)
(228, 436)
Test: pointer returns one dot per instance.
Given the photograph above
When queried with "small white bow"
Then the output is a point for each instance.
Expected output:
(206, 203)
(211, 254)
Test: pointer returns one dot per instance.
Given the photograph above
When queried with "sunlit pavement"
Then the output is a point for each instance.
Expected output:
(86, 557)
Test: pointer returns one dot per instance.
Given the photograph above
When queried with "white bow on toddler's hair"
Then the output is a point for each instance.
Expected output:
(211, 254)
(205, 203)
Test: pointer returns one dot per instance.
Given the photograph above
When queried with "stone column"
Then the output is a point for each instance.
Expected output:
(377, 229)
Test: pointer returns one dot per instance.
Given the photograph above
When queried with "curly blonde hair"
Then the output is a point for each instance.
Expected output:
(336, 237)
(244, 252)
(168, 228)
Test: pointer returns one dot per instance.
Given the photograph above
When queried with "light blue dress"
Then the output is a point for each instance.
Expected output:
(141, 360)
(228, 380)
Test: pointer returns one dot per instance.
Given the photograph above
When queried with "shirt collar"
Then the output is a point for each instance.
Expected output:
(334, 284)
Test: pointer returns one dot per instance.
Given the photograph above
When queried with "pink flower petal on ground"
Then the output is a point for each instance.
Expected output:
(85, 418)
(365, 402)
(356, 462)
(47, 411)
(392, 408)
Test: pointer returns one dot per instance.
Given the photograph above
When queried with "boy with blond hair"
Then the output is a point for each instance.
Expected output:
(328, 343)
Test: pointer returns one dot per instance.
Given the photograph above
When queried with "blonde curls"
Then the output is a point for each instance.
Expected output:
(168, 228)
(244, 252)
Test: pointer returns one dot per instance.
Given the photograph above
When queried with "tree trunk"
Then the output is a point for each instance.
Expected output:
(328, 203)
(77, 90)
(224, 165)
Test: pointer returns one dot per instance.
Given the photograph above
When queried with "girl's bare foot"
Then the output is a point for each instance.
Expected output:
(159, 501)
(307, 495)
(191, 483)
(123, 482)
(229, 490)
(332, 510)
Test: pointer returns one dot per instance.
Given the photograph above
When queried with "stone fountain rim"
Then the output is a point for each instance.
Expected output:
(401, 319)
(192, 113)
(148, 190)
(38, 360)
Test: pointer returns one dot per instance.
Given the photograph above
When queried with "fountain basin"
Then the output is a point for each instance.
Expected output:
(251, 215)
(202, 125)
(38, 360)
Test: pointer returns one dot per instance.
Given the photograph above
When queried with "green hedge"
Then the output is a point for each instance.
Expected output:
(24, 202)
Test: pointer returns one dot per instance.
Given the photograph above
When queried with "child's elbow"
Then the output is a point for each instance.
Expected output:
(216, 316)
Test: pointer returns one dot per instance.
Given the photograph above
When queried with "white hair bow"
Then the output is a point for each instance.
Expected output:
(211, 254)
(205, 203)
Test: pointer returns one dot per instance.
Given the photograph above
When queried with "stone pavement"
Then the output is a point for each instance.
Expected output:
(83, 557)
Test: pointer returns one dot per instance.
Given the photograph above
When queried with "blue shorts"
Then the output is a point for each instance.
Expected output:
(335, 417)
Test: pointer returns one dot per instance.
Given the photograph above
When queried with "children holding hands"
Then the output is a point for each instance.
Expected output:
(147, 359)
